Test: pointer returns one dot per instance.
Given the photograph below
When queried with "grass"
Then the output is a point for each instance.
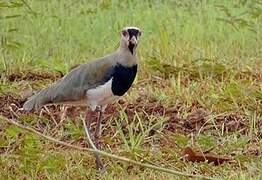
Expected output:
(192, 54)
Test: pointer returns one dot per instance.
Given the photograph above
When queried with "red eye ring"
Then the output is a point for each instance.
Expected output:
(125, 33)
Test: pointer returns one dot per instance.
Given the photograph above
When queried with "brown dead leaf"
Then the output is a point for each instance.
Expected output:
(193, 156)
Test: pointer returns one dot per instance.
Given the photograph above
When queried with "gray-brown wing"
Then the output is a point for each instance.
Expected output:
(74, 85)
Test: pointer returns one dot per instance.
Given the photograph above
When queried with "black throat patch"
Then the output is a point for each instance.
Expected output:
(123, 78)
(131, 48)
(132, 32)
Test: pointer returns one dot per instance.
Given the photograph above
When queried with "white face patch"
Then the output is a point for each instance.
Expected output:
(131, 27)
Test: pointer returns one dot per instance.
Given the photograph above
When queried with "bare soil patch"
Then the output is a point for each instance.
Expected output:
(33, 76)
(198, 119)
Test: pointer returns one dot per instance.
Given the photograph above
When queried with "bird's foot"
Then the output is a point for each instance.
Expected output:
(99, 165)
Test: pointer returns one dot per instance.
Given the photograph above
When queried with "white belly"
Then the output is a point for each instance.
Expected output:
(101, 96)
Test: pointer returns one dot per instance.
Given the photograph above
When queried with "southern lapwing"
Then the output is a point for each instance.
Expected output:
(95, 83)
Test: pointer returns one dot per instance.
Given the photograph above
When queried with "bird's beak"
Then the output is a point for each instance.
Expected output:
(133, 41)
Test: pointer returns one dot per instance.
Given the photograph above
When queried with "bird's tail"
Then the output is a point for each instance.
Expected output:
(38, 100)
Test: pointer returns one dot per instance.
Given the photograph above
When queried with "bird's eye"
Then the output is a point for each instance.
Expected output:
(140, 33)
(125, 33)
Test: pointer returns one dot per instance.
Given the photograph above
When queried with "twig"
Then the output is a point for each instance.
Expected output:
(13, 112)
(62, 116)
(98, 160)
(50, 114)
(88, 135)
(62, 119)
(162, 169)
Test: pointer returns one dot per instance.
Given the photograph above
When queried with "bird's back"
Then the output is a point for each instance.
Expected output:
(73, 86)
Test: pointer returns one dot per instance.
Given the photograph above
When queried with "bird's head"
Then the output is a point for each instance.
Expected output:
(130, 37)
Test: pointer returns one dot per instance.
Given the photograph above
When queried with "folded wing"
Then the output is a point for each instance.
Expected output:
(74, 85)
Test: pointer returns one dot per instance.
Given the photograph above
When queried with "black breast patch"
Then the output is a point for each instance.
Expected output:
(123, 77)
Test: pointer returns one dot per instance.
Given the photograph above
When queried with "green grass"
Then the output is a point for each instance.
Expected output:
(205, 53)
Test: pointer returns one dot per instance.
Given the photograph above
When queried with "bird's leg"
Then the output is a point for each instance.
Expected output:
(88, 121)
(96, 138)
(99, 164)
(98, 128)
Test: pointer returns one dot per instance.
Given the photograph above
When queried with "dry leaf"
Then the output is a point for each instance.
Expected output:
(193, 156)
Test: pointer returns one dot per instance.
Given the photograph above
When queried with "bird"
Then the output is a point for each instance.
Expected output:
(94, 84)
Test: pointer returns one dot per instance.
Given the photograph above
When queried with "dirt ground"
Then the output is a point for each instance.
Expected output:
(197, 118)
